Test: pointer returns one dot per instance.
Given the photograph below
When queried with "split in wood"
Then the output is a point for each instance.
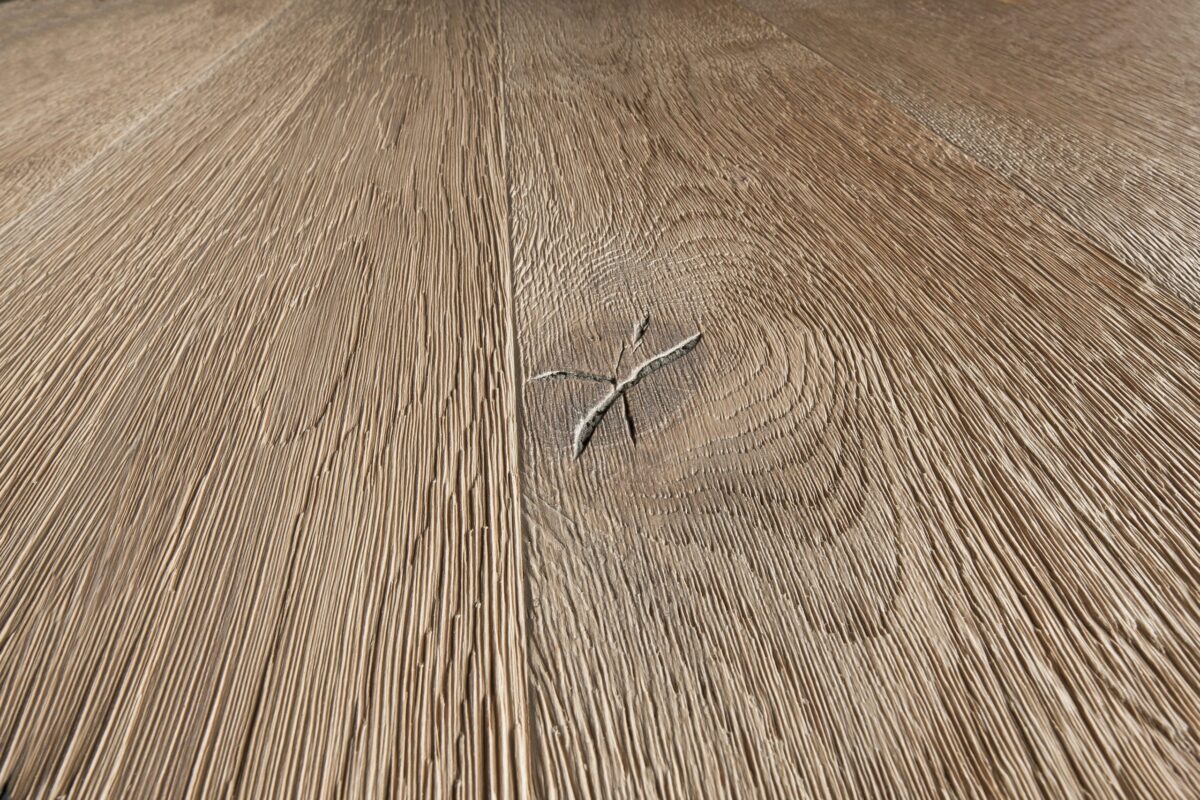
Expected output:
(640, 330)
(619, 389)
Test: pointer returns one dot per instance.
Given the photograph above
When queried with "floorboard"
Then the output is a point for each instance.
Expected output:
(915, 518)
(260, 536)
(1090, 106)
(620, 399)
(78, 75)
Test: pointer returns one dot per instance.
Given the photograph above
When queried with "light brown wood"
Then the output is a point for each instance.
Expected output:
(918, 516)
(77, 75)
(620, 399)
(259, 528)
(1090, 107)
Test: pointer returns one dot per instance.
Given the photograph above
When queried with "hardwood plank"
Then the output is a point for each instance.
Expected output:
(258, 528)
(916, 518)
(76, 75)
(1090, 107)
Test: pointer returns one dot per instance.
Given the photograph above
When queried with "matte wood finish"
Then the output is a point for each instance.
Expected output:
(894, 489)
(1090, 106)
(256, 408)
(76, 75)
(918, 518)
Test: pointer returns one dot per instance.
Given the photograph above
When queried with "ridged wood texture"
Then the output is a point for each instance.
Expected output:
(918, 516)
(1090, 106)
(282, 513)
(259, 526)
(77, 75)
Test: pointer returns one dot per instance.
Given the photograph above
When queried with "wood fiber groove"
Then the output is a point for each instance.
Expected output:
(304, 304)
(1090, 107)
(918, 519)
(77, 75)
(258, 532)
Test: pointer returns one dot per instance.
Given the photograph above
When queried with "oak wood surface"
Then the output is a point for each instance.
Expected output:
(918, 516)
(1090, 106)
(76, 75)
(307, 310)
(259, 531)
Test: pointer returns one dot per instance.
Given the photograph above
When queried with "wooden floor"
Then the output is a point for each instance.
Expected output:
(616, 399)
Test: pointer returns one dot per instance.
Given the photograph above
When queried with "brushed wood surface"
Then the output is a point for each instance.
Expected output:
(259, 527)
(1090, 106)
(77, 75)
(918, 516)
(622, 398)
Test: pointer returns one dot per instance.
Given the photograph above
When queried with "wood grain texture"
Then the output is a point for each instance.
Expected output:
(620, 399)
(1089, 106)
(918, 517)
(258, 529)
(77, 75)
